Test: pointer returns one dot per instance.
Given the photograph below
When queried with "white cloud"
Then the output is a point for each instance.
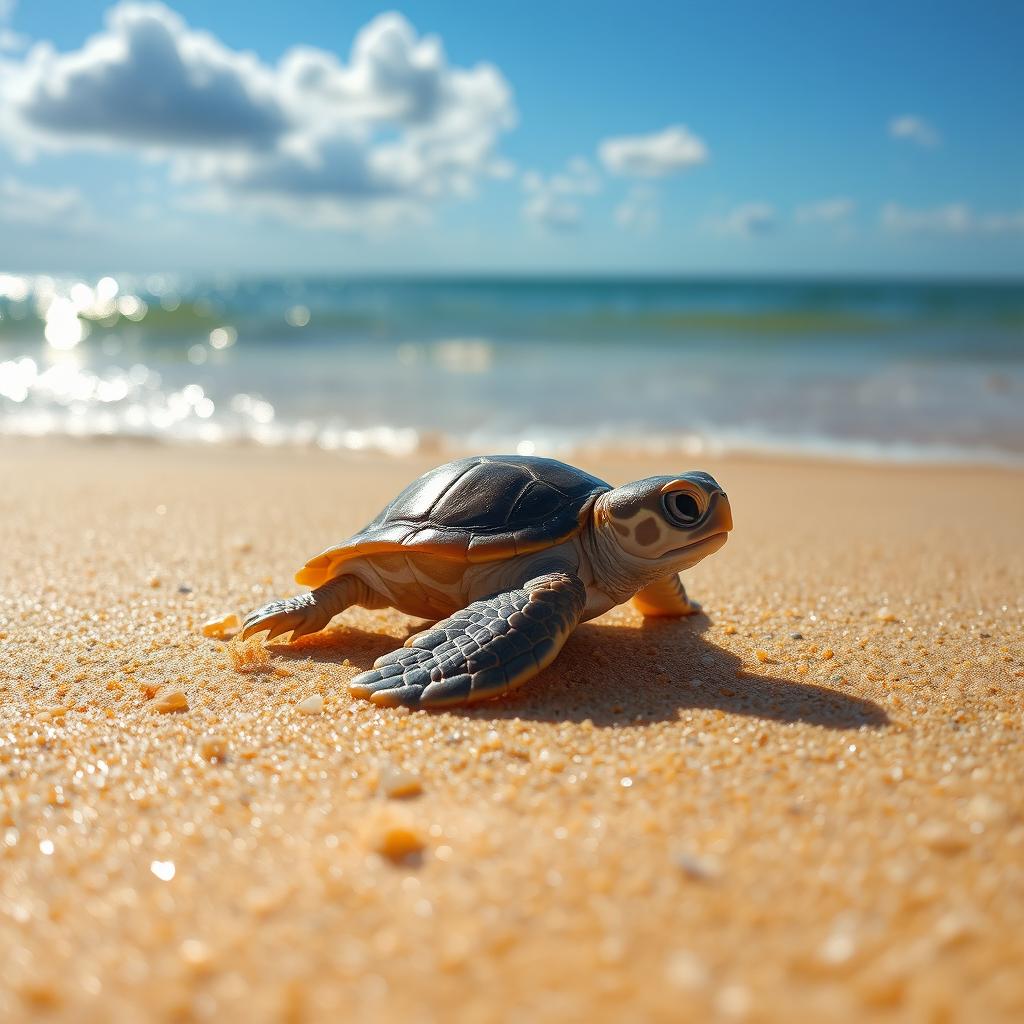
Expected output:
(747, 220)
(147, 81)
(386, 135)
(501, 169)
(61, 208)
(553, 202)
(639, 210)
(912, 128)
(653, 156)
(826, 211)
(10, 41)
(553, 213)
(950, 219)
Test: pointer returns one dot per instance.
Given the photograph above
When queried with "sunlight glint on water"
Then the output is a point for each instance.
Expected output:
(908, 371)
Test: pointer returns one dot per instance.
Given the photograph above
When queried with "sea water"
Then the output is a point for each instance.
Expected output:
(875, 369)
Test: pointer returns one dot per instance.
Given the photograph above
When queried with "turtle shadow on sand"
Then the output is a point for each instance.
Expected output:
(621, 675)
(331, 647)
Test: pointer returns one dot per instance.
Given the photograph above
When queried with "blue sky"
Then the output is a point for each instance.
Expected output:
(571, 137)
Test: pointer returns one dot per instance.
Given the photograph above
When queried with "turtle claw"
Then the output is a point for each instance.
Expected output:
(278, 629)
(394, 682)
(254, 624)
(397, 696)
(304, 629)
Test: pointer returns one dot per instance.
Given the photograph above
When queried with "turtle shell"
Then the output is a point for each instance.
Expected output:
(481, 509)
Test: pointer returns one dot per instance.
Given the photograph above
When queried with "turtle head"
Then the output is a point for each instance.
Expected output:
(667, 521)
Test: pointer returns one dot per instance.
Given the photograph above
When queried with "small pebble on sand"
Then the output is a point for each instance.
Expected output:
(212, 747)
(697, 868)
(226, 626)
(172, 700)
(313, 705)
(942, 838)
(395, 838)
(397, 783)
(195, 954)
(163, 869)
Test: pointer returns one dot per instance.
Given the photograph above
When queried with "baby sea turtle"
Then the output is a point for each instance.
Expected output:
(509, 553)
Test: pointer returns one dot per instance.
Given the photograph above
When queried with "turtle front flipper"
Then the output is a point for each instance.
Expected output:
(305, 613)
(487, 649)
(666, 598)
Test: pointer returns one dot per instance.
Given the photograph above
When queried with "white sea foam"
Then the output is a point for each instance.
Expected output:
(541, 368)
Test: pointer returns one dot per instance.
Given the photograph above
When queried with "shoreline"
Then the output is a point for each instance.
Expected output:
(440, 450)
(802, 804)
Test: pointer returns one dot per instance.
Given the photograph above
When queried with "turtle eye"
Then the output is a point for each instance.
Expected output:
(681, 508)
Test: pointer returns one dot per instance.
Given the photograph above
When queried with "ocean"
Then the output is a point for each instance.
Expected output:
(914, 371)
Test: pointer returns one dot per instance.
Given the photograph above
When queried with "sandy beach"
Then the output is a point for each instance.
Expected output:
(805, 804)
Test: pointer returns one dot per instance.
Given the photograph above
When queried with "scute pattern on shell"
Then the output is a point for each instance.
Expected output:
(479, 509)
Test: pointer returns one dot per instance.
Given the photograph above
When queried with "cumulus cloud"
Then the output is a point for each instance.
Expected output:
(747, 220)
(33, 205)
(653, 156)
(148, 81)
(825, 211)
(553, 213)
(639, 210)
(391, 131)
(950, 219)
(911, 128)
(10, 41)
(554, 202)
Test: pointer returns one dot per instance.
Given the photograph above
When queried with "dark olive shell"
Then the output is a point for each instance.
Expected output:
(479, 509)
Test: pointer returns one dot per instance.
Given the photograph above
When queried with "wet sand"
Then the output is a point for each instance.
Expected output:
(806, 804)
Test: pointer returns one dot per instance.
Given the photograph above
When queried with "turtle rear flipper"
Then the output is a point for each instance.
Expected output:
(486, 649)
(665, 598)
(306, 613)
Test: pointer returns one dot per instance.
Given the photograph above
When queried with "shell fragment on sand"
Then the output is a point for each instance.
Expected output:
(212, 747)
(393, 833)
(313, 705)
(398, 841)
(223, 628)
(171, 701)
(397, 783)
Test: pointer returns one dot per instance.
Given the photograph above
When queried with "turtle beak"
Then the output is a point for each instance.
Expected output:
(721, 509)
